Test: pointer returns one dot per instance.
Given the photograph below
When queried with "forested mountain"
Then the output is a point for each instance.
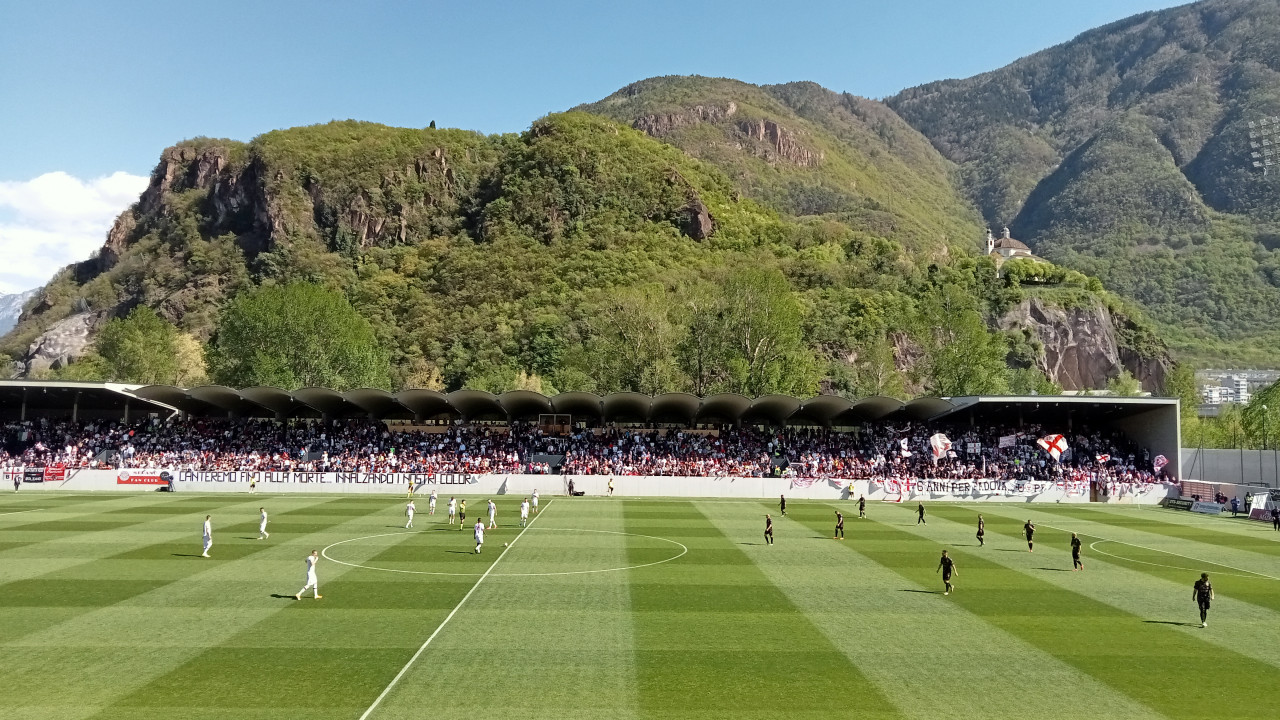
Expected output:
(585, 255)
(1125, 154)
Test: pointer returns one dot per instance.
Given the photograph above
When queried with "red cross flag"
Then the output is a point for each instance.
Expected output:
(940, 445)
(1103, 459)
(1160, 462)
(1055, 445)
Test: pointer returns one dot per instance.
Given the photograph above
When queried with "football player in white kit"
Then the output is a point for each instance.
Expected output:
(409, 510)
(535, 501)
(208, 535)
(524, 512)
(453, 509)
(262, 524)
(431, 503)
(312, 584)
(493, 510)
(479, 535)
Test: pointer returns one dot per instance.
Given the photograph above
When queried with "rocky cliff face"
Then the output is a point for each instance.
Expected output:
(62, 343)
(1081, 347)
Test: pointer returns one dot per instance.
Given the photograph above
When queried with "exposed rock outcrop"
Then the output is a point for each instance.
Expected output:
(62, 343)
(1081, 349)
(662, 124)
(780, 142)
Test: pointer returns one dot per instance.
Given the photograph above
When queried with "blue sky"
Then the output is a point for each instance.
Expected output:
(89, 89)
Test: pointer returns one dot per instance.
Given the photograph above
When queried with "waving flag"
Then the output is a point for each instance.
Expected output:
(1055, 445)
(940, 445)
(1160, 462)
(1103, 459)
(1007, 441)
(905, 451)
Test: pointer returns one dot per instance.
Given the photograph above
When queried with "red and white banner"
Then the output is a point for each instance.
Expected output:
(1161, 461)
(1055, 445)
(940, 445)
(55, 473)
(1103, 459)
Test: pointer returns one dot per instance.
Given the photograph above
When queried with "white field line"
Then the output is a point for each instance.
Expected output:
(453, 612)
(1166, 552)
(1094, 547)
(19, 512)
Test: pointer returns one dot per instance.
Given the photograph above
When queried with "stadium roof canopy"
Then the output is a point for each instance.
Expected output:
(22, 399)
(64, 399)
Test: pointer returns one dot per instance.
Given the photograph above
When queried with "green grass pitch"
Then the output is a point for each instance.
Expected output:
(626, 608)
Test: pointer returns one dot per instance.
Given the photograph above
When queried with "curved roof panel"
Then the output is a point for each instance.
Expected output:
(723, 408)
(674, 408)
(230, 400)
(774, 409)
(627, 407)
(820, 410)
(426, 404)
(329, 402)
(378, 403)
(524, 404)
(477, 405)
(273, 399)
(926, 408)
(177, 397)
(581, 404)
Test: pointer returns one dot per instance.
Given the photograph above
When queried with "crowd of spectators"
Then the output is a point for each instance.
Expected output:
(888, 451)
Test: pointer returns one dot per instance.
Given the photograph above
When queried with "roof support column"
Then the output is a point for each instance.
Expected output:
(23, 414)
(126, 411)
(75, 408)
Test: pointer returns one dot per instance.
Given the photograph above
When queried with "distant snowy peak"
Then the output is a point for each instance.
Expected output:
(11, 308)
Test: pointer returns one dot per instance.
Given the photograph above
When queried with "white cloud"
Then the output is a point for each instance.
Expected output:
(56, 219)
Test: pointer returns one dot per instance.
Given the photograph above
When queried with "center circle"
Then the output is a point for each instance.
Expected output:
(683, 550)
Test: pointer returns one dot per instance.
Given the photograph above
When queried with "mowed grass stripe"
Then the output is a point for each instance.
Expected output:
(535, 646)
(1201, 541)
(1158, 595)
(1141, 552)
(891, 627)
(149, 633)
(1156, 664)
(716, 639)
(324, 658)
(1239, 526)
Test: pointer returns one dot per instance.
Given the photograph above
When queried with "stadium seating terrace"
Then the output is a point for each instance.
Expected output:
(871, 450)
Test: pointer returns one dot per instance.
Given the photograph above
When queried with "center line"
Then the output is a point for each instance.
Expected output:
(456, 608)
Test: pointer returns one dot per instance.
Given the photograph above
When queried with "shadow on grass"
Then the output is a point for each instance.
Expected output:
(924, 592)
(246, 537)
(278, 596)
(1055, 569)
(1171, 622)
(1007, 550)
(187, 555)
(461, 552)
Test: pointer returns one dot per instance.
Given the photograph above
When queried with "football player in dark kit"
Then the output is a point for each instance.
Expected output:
(1075, 553)
(920, 514)
(1202, 593)
(948, 568)
(982, 531)
(862, 506)
(839, 534)
(782, 504)
(1275, 519)
(1030, 530)
(768, 530)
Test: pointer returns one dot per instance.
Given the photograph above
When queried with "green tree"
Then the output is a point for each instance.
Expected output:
(139, 348)
(1261, 417)
(961, 357)
(631, 341)
(296, 335)
(1124, 385)
(1181, 383)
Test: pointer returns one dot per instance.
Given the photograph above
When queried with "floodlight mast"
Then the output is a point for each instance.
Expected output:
(1264, 143)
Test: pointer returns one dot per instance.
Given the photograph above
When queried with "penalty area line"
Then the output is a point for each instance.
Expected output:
(395, 680)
